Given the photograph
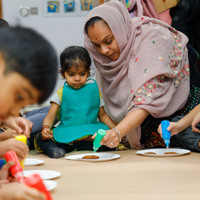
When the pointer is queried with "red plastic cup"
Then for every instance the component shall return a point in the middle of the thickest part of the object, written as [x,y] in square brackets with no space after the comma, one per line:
[35,181]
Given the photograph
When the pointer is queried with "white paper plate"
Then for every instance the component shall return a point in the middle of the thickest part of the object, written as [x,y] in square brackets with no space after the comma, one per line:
[45,174]
[50,185]
[102,157]
[161,152]
[32,161]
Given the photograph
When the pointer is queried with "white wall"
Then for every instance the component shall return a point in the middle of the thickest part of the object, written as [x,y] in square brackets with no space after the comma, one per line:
[61,31]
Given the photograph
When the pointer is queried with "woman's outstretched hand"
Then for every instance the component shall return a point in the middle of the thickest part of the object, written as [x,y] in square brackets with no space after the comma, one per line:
[111,139]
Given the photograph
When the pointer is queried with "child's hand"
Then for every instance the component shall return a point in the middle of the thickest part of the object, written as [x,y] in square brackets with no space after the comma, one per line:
[21,125]
[4,172]
[8,133]
[93,137]
[19,147]
[46,133]
[174,127]
[19,191]
[195,121]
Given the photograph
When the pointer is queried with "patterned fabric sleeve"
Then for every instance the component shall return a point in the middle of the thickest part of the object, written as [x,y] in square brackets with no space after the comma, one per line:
[152,93]
[156,94]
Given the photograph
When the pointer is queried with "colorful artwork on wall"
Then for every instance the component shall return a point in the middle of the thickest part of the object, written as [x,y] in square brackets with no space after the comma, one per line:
[53,6]
[69,5]
[69,8]
[86,4]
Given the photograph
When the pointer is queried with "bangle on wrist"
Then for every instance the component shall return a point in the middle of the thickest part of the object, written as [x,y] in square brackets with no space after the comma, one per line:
[118,132]
[45,126]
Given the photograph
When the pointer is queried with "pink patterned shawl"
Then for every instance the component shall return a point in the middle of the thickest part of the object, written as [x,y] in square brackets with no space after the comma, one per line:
[149,48]
[143,7]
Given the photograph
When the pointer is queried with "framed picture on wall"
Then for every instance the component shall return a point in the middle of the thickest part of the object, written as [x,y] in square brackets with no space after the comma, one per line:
[69,6]
[66,8]
[53,6]
[86,5]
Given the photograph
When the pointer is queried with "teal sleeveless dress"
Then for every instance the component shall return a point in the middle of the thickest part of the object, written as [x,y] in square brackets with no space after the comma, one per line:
[78,113]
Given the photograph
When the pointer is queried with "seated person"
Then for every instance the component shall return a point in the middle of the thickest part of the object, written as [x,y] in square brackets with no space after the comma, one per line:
[28,73]
[186,129]
[77,104]
[15,190]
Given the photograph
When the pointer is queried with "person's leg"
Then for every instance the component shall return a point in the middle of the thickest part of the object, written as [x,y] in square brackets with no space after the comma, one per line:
[187,138]
[49,147]
[67,147]
[105,148]
[36,116]
[88,145]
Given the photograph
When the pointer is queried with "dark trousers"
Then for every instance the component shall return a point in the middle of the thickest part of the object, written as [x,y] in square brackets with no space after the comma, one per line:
[77,146]
[37,116]
[187,138]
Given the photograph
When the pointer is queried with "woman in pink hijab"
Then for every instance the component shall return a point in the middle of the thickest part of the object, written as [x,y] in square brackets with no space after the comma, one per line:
[143,69]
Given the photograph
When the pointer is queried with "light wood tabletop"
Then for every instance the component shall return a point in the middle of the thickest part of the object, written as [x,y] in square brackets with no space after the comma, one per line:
[129,177]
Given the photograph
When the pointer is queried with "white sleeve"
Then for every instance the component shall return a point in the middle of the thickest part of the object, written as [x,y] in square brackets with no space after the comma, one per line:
[55,98]
[101,102]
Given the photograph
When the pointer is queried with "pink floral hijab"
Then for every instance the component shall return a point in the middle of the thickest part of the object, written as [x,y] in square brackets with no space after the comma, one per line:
[152,70]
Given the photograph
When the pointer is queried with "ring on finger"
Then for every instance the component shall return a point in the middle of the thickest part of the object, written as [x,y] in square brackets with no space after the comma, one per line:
[112,143]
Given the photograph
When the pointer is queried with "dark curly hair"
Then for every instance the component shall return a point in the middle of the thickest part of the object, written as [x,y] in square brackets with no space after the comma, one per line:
[28,53]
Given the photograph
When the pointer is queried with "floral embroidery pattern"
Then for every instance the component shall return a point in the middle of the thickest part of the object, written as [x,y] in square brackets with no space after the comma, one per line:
[150,86]
[145,92]
[139,100]
[174,63]
[136,59]
[175,51]
[186,69]
[176,58]
[173,30]
[155,87]
[161,78]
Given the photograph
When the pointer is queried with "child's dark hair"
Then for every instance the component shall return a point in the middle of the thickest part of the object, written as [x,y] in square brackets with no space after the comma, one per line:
[3,23]
[28,53]
[74,56]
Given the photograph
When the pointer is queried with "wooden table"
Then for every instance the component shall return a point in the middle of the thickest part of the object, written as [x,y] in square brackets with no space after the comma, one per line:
[131,177]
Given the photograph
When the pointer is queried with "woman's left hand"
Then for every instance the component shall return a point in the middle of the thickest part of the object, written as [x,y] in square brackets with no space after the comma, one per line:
[21,125]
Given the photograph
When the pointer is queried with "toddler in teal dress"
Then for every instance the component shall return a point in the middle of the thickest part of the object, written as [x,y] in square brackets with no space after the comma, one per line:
[77,105]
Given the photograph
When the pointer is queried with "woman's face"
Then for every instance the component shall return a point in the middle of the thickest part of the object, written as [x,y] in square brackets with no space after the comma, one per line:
[15,92]
[103,40]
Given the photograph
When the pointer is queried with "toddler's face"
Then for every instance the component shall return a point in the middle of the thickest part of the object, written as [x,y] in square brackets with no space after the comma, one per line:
[76,77]
[15,92]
